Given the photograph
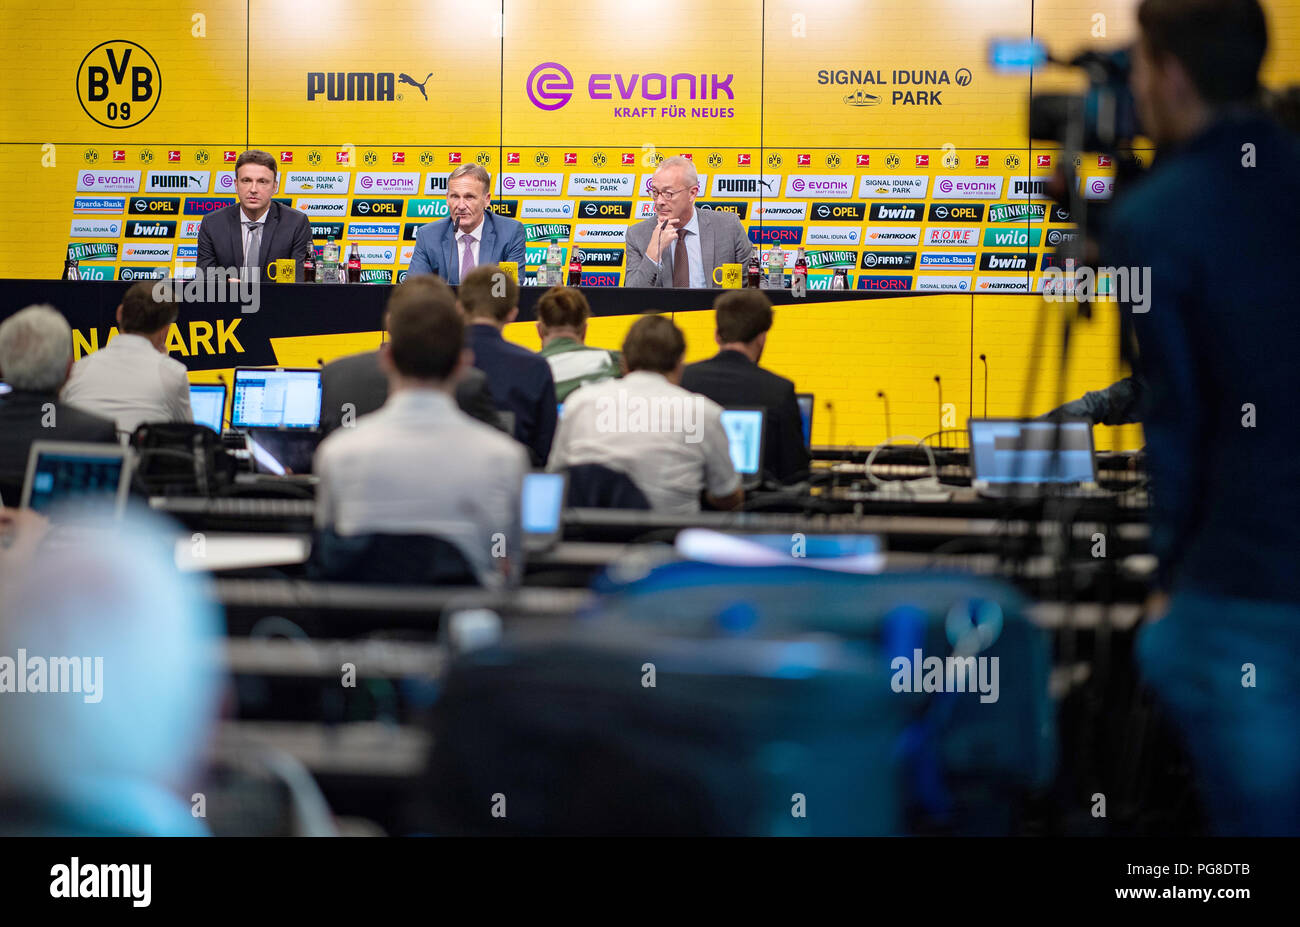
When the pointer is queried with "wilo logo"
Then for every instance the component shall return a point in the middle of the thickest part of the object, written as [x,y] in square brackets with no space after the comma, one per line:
[626,413]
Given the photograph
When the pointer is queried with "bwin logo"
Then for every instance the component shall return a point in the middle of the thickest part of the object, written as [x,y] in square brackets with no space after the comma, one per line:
[141,230]
[897,212]
[1013,263]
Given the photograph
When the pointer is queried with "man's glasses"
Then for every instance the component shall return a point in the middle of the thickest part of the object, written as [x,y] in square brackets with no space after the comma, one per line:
[666,194]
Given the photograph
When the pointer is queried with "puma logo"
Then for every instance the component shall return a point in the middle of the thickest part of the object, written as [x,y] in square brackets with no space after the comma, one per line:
[419,85]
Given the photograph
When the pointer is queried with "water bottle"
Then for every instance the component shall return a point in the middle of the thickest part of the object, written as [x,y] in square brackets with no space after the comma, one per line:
[71,270]
[841,279]
[776,267]
[329,265]
[554,258]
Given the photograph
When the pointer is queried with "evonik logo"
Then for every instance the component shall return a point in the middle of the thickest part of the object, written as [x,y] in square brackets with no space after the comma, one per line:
[550,86]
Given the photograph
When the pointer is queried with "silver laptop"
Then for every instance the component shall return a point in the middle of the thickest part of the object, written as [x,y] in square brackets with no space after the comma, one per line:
[542,509]
[1027,457]
[68,480]
[746,429]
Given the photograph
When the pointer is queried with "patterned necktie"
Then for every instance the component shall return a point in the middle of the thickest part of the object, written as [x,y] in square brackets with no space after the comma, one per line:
[254,243]
[681,263]
[467,262]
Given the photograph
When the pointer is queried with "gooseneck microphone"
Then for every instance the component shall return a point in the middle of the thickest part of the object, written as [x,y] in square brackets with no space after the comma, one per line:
[986,385]
[939,383]
[889,426]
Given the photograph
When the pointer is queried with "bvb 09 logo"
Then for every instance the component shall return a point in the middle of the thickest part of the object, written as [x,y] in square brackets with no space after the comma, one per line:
[118,84]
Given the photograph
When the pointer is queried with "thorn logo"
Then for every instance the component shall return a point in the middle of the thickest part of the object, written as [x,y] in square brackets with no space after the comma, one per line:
[119,84]
[453,157]
[1044,161]
[119,154]
[570,157]
[549,86]
[399,157]
[803,159]
[742,159]
[286,157]
[981,160]
[228,156]
[512,157]
[864,160]
[628,158]
[173,156]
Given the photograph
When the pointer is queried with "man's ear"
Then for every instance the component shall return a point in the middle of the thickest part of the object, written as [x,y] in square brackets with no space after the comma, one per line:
[118,316]
[541,330]
[514,314]
[582,333]
[386,358]
[717,338]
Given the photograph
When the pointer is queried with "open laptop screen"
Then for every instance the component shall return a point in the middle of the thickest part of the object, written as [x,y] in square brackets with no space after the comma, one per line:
[208,402]
[1015,452]
[805,401]
[74,480]
[744,429]
[276,398]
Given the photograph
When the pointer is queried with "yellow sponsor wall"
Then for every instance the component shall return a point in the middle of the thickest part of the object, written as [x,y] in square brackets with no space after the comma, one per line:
[806,118]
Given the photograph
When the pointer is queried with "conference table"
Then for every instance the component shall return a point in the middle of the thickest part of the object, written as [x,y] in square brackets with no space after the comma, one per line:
[222,335]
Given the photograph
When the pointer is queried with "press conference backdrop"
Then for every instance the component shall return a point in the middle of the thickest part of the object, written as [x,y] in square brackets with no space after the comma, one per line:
[872,134]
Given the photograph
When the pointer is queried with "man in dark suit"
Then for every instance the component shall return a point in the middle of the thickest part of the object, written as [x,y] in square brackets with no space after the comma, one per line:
[471,235]
[521,381]
[733,378]
[680,245]
[358,379]
[35,358]
[255,231]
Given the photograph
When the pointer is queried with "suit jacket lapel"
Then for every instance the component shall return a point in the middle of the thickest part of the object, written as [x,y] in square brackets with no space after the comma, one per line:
[488,239]
[450,266]
[237,237]
[268,233]
[706,247]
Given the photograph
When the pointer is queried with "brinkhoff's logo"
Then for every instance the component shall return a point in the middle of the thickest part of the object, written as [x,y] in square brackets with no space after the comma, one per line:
[361,86]
[119,84]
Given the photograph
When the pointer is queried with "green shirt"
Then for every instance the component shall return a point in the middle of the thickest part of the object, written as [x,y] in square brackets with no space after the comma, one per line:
[573,364]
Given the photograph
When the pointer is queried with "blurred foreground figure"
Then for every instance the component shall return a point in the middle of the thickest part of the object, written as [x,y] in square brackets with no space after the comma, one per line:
[1217,352]
[108,688]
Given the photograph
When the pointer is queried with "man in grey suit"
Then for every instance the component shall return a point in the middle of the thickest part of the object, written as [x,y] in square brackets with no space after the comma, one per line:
[681,246]
[471,234]
[257,230]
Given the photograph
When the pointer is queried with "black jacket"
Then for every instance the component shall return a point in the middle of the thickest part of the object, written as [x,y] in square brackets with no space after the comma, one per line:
[731,379]
[357,379]
[221,243]
[24,418]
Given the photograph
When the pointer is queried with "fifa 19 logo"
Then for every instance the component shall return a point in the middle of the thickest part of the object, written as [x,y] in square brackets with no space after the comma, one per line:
[118,84]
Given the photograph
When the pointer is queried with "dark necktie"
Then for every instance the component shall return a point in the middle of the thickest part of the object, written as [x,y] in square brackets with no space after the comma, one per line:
[681,263]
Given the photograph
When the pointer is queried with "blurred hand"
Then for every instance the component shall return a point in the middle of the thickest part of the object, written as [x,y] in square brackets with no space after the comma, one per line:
[662,237]
[21,531]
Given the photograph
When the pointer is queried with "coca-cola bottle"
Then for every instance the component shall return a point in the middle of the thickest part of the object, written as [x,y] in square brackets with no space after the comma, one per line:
[575,269]
[309,266]
[755,270]
[354,264]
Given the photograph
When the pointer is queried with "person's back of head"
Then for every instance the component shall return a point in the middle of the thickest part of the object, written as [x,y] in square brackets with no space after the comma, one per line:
[654,344]
[489,294]
[426,334]
[563,311]
[35,349]
[1219,43]
[742,316]
[143,313]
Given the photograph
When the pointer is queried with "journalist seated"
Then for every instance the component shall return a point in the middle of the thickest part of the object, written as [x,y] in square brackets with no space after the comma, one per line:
[419,477]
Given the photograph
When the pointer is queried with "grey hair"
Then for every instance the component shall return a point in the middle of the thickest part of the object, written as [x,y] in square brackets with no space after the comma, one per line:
[35,347]
[687,166]
[477,171]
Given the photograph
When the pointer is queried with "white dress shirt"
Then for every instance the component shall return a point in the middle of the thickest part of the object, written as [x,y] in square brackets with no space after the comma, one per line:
[471,239]
[418,465]
[667,440]
[244,232]
[131,382]
[694,255]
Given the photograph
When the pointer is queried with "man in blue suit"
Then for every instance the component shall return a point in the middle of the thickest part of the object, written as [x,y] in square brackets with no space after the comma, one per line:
[471,235]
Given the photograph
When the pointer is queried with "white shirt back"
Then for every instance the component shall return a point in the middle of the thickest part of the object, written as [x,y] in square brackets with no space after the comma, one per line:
[418,465]
[668,440]
[130,382]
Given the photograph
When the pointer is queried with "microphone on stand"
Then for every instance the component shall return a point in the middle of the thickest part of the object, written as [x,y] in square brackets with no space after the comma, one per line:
[938,382]
[986,385]
[889,428]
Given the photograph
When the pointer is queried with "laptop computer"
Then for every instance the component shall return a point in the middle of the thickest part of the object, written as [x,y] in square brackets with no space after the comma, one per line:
[542,509]
[1026,457]
[68,480]
[280,397]
[806,407]
[746,429]
[208,402]
[282,451]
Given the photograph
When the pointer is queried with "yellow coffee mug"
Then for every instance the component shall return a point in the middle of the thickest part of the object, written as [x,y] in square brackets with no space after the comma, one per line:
[284,270]
[512,270]
[730,276]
